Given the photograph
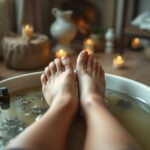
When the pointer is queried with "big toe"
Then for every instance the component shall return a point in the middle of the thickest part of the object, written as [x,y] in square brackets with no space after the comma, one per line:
[82,60]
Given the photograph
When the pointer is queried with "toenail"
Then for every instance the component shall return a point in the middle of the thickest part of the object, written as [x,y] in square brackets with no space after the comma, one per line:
[85,52]
[63,57]
[51,64]
[56,60]
[66,59]
[46,68]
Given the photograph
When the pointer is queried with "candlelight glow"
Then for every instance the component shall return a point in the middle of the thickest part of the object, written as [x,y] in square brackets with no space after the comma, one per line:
[136,43]
[118,62]
[27,31]
[88,42]
[89,46]
[61,53]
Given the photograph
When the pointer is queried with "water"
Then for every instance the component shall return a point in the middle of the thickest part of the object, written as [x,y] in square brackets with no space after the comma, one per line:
[133,114]
[28,106]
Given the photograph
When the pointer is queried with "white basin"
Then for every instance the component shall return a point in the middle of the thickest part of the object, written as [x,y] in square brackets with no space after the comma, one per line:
[117,83]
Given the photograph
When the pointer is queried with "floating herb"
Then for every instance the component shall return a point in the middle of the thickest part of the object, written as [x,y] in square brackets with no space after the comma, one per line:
[123,103]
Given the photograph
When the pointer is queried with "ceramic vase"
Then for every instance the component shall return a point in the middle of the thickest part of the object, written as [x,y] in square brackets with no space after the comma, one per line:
[63,30]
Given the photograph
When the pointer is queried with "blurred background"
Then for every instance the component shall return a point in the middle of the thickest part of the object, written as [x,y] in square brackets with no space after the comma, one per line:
[116,27]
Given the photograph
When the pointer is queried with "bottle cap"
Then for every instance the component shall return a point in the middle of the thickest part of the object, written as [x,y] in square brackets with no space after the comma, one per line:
[3,90]
[4,101]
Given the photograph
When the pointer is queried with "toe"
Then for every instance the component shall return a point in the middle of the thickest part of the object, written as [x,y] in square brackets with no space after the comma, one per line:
[58,64]
[52,67]
[82,60]
[47,72]
[66,63]
[100,71]
[103,83]
[95,68]
[103,78]
[90,62]
[43,80]
[101,75]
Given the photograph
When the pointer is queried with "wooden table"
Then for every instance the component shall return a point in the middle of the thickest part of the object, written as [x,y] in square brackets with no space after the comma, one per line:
[137,67]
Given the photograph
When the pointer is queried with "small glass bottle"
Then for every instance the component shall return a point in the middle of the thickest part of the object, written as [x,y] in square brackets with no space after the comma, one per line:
[109,44]
[4,107]
[4,98]
[4,103]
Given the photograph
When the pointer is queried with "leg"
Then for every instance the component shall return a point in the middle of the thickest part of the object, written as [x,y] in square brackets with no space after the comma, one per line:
[59,90]
[104,132]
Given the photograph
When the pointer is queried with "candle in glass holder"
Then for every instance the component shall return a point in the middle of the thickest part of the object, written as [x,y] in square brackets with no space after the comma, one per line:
[60,53]
[27,31]
[89,45]
[118,62]
[136,43]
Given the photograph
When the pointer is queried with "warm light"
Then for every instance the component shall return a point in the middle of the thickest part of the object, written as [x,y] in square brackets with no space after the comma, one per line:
[136,43]
[89,45]
[118,62]
[89,42]
[27,31]
[61,53]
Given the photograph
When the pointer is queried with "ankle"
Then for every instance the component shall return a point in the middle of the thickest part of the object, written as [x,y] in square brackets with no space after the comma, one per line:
[93,101]
[67,103]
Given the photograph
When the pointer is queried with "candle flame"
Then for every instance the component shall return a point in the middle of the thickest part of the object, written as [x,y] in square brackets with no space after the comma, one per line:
[27,30]
[137,40]
[89,42]
[27,26]
[61,53]
[136,43]
[118,60]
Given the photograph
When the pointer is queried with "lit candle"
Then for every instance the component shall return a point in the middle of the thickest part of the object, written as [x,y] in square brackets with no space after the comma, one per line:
[89,46]
[60,53]
[136,43]
[118,62]
[27,31]
[89,42]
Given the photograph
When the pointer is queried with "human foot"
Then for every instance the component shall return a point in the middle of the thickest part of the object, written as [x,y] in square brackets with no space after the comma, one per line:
[59,83]
[90,78]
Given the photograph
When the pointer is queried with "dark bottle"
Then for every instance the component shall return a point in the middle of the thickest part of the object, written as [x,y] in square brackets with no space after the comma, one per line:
[4,98]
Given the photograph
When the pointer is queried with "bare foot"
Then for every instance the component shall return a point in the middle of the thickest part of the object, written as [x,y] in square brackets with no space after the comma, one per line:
[59,83]
[91,79]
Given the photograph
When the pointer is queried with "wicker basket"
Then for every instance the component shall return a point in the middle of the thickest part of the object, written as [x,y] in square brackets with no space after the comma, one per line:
[25,53]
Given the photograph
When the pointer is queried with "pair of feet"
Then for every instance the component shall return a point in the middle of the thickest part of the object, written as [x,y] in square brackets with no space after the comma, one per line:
[59,81]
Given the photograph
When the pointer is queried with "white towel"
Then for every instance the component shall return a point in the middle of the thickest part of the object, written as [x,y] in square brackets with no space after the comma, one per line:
[142,21]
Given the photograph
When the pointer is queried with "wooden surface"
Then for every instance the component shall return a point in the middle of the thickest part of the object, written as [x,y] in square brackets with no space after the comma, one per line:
[137,67]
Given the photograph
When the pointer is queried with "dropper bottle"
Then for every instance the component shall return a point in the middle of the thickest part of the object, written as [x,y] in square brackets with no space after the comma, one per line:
[4,103]
[4,98]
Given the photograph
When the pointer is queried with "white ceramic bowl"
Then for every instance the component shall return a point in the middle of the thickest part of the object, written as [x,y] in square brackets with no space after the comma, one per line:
[117,83]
